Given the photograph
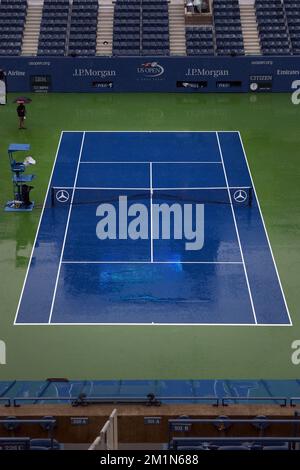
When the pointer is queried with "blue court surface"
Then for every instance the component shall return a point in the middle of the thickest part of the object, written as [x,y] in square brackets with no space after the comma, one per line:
[76,278]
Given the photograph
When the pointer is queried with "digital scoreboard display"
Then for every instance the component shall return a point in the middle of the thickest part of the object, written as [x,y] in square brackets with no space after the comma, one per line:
[40,83]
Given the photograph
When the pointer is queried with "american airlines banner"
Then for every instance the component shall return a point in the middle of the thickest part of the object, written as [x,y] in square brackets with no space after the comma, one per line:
[152,74]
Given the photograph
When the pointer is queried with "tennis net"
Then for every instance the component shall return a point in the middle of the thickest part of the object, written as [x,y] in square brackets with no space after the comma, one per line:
[240,196]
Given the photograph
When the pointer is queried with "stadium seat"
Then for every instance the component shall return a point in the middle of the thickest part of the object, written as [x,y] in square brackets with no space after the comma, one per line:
[53,30]
[271,18]
[148,21]
[199,40]
[228,29]
[36,444]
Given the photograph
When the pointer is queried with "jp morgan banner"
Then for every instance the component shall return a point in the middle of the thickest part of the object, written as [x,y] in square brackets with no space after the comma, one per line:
[151,74]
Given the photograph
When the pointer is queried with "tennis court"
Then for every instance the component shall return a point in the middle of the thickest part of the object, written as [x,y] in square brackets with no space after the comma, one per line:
[75,278]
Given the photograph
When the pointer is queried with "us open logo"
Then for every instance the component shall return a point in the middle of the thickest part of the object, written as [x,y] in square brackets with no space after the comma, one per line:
[151,70]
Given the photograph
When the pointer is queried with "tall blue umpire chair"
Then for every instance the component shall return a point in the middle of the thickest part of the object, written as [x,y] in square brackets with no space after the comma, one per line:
[21,188]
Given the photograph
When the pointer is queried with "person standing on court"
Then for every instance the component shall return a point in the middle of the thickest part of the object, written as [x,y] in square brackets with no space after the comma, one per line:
[21,111]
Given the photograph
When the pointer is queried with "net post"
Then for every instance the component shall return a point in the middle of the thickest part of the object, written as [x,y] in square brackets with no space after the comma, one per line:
[250,197]
[52,195]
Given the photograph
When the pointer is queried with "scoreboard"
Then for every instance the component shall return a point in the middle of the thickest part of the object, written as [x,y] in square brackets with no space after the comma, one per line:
[40,83]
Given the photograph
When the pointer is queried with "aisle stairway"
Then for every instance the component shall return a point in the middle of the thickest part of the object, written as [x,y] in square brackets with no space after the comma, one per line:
[32,29]
[177,27]
[249,28]
[105,28]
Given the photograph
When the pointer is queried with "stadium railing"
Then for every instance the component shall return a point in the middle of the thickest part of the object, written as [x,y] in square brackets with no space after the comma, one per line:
[149,400]
[108,436]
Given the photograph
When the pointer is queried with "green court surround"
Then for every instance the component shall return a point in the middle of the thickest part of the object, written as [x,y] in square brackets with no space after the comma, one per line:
[269,125]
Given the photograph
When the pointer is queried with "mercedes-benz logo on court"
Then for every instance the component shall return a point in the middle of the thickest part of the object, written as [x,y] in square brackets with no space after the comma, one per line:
[240,196]
[62,196]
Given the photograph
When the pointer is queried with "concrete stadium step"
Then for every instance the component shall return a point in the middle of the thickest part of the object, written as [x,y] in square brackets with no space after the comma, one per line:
[249,29]
[177,28]
[32,29]
[105,28]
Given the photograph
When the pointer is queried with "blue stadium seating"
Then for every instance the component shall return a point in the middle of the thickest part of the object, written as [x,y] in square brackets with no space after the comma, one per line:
[155,13]
[199,40]
[141,28]
[12,21]
[44,444]
[228,29]
[233,448]
[272,27]
[127,28]
[292,11]
[53,33]
[226,444]
[83,29]
[29,443]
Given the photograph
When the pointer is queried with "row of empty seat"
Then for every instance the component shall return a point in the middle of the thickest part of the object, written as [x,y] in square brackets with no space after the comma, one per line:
[25,443]
[199,40]
[141,27]
[53,32]
[69,30]
[272,27]
[12,21]
[292,11]
[228,446]
[83,30]
[228,28]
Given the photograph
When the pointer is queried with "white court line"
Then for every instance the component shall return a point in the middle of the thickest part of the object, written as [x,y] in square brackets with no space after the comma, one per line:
[170,324]
[147,132]
[66,229]
[38,228]
[147,162]
[237,230]
[266,233]
[150,262]
[260,325]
